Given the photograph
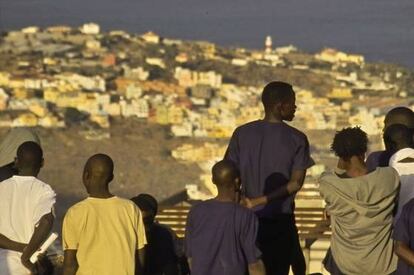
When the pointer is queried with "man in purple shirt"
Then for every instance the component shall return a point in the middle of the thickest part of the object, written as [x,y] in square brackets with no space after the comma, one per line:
[404,240]
[220,235]
[398,115]
[272,158]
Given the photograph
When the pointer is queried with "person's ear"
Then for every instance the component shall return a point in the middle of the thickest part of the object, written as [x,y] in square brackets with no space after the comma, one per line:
[111,177]
[16,162]
[278,106]
[85,176]
[341,164]
[237,183]
[42,163]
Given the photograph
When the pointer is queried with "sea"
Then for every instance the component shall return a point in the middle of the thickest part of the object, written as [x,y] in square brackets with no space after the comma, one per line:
[381,30]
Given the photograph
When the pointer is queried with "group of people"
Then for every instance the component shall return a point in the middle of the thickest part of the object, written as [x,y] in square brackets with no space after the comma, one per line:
[248,228]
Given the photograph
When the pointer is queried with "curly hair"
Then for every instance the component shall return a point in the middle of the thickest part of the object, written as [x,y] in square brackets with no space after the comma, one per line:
[348,142]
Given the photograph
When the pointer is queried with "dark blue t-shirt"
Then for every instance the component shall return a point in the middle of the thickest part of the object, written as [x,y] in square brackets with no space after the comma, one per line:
[160,252]
[378,159]
[404,232]
[220,238]
[266,153]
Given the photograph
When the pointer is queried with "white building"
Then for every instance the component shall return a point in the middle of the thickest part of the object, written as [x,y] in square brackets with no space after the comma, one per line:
[137,107]
[183,130]
[95,83]
[90,28]
[268,44]
[155,62]
[151,37]
[30,30]
[189,78]
[239,62]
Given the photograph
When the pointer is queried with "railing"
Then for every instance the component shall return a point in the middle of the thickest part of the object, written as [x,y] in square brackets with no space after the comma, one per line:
[311,223]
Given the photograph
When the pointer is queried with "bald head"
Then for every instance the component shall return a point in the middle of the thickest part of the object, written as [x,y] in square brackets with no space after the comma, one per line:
[400,115]
[225,174]
[98,171]
[29,156]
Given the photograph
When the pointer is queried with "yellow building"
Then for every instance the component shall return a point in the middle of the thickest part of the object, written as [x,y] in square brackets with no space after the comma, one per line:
[59,29]
[50,121]
[340,93]
[209,49]
[20,93]
[161,114]
[4,79]
[335,56]
[38,109]
[3,100]
[181,58]
[175,115]
[151,37]
[192,153]
[100,119]
[208,122]
[25,120]
[16,83]
[50,95]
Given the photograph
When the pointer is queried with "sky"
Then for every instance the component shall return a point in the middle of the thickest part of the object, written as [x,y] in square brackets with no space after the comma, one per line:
[382,30]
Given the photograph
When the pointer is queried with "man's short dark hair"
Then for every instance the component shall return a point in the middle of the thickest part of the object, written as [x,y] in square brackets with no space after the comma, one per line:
[276,92]
[146,202]
[349,142]
[30,154]
[400,115]
[398,134]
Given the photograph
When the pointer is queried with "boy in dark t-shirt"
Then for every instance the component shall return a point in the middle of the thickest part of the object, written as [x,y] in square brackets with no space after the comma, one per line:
[220,233]
[162,255]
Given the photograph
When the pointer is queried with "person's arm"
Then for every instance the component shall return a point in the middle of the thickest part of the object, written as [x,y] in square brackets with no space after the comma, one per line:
[257,268]
[294,185]
[233,151]
[40,234]
[189,263]
[404,252]
[140,261]
[6,243]
[70,263]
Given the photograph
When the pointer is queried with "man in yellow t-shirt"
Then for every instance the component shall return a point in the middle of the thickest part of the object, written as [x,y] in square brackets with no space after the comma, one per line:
[102,234]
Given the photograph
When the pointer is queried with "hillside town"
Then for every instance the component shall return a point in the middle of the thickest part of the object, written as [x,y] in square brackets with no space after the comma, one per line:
[59,76]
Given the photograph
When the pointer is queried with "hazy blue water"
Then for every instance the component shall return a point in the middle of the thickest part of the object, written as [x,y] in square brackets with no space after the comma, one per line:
[382,30]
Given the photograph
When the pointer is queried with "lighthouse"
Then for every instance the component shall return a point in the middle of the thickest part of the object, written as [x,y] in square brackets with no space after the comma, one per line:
[268,44]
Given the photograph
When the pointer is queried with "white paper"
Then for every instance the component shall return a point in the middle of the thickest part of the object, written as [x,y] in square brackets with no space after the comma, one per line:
[44,247]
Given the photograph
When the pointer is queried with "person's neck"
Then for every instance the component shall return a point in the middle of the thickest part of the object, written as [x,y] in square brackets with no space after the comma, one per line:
[356,168]
[100,194]
[273,118]
[402,146]
[28,172]
[226,196]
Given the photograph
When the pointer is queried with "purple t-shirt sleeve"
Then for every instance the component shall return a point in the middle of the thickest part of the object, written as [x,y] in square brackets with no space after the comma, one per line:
[302,158]
[401,229]
[232,152]
[249,236]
